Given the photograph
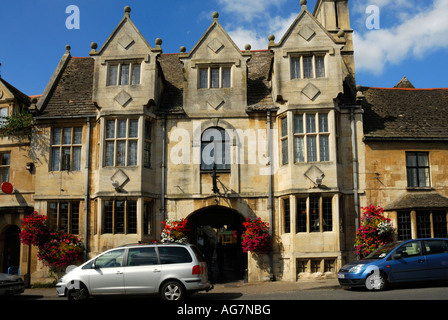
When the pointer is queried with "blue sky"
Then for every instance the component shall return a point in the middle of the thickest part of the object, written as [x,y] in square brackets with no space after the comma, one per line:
[412,39]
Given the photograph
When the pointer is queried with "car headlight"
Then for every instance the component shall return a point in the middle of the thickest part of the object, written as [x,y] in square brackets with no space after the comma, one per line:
[356,269]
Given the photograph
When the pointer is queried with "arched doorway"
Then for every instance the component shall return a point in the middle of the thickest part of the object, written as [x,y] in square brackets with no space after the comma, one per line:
[217,231]
[11,249]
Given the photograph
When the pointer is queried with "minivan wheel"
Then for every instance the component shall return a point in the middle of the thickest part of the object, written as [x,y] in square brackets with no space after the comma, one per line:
[79,294]
[172,290]
[376,282]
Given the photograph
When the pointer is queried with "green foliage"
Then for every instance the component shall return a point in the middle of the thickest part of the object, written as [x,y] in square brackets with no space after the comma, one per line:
[17,123]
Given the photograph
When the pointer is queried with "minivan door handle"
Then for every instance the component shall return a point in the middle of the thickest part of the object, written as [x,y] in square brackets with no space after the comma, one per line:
[156,270]
[119,272]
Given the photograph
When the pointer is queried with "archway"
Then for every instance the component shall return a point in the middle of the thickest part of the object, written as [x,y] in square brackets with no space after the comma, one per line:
[217,231]
[11,249]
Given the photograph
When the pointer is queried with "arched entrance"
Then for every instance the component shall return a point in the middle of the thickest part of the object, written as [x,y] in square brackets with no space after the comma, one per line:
[217,231]
[11,249]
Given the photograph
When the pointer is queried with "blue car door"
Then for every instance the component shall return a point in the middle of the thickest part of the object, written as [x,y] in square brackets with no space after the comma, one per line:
[437,258]
[410,265]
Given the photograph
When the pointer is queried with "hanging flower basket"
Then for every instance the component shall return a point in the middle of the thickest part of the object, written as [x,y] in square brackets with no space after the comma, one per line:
[55,249]
[175,231]
[256,237]
[375,231]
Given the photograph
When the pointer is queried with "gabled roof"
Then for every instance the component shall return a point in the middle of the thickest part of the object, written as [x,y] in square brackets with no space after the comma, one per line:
[71,93]
[259,89]
[405,114]
[304,12]
[404,83]
[126,19]
[173,74]
[258,80]
[16,93]
[215,24]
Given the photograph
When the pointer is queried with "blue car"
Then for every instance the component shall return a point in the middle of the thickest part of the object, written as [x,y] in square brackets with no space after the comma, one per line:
[398,262]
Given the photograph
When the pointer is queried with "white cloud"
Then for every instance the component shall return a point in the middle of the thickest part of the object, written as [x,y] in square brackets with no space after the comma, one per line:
[258,37]
[255,21]
[424,32]
[250,9]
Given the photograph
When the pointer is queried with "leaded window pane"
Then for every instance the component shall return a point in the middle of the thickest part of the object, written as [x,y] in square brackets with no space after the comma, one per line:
[226,77]
[113,75]
[132,153]
[312,148]
[286,216]
[298,123]
[203,78]
[135,73]
[214,78]
[76,158]
[295,68]
[308,67]
[323,122]
[124,79]
[110,129]
[324,148]
[310,123]
[320,66]
[121,130]
[55,159]
[299,149]
[109,153]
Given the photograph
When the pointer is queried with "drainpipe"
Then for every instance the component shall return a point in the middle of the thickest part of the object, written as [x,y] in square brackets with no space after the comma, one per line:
[162,194]
[86,191]
[355,166]
[270,198]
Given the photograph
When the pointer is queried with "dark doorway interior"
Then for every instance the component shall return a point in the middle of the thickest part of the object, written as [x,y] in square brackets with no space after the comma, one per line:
[11,253]
[217,232]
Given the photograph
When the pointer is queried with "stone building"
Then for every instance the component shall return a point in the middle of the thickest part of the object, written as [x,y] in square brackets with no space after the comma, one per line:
[130,136]
[405,148]
[16,179]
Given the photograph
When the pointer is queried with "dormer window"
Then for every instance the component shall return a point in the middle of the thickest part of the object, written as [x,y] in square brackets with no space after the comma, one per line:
[308,67]
[214,77]
[124,73]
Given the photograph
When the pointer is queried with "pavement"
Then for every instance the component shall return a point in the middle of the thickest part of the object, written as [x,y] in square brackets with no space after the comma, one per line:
[275,286]
[231,287]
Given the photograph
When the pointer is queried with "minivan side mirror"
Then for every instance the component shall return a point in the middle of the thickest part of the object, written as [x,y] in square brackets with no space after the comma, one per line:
[95,266]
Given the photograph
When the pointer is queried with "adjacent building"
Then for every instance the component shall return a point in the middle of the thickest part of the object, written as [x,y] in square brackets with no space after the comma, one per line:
[405,147]
[16,179]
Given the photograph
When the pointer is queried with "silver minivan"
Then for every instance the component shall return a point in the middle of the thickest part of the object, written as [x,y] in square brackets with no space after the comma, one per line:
[172,270]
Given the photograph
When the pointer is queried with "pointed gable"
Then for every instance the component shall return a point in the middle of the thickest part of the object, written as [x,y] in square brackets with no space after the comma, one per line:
[215,75]
[8,91]
[308,67]
[126,69]
[126,39]
[306,33]
[215,45]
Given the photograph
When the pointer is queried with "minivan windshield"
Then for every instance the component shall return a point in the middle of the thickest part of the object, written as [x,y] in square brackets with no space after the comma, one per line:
[383,251]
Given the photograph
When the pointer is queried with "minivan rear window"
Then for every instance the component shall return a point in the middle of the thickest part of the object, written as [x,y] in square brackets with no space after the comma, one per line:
[145,256]
[170,255]
[198,254]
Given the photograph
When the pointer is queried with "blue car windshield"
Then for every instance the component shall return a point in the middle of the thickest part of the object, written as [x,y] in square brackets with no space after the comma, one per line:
[383,251]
